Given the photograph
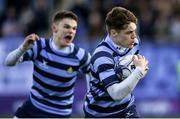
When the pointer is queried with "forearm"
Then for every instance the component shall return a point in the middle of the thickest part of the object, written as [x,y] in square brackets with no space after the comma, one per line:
[120,90]
[14,57]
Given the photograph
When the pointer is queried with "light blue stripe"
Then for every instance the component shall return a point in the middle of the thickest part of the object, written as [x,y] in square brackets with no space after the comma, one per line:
[35,50]
[55,71]
[53,82]
[80,54]
[62,102]
[107,73]
[102,60]
[103,48]
[98,114]
[87,62]
[58,59]
[55,93]
[51,109]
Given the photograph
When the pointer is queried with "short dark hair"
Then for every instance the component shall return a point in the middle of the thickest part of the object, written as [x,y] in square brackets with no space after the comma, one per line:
[61,14]
[118,18]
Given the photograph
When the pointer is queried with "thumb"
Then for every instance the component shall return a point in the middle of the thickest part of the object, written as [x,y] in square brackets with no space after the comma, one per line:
[135,57]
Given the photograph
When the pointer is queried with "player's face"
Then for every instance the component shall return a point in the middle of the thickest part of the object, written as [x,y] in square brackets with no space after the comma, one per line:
[126,38]
[64,32]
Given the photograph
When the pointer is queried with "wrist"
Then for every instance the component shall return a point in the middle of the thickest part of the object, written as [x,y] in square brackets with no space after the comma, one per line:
[22,48]
[139,72]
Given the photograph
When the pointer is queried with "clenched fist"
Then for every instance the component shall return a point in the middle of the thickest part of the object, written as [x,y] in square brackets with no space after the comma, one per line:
[29,41]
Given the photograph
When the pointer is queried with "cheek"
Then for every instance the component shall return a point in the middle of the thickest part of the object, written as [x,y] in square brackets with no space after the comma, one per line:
[126,38]
[60,32]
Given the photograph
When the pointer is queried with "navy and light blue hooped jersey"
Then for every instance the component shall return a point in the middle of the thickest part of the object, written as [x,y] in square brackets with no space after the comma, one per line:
[54,76]
[98,102]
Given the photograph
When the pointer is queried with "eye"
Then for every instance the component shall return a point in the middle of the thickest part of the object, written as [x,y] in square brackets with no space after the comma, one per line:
[66,26]
[74,28]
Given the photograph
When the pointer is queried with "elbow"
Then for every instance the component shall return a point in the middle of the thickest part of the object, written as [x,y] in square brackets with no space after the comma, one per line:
[9,63]
[117,97]
[120,93]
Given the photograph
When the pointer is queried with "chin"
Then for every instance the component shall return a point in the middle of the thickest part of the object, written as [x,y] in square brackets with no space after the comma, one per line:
[66,45]
[131,46]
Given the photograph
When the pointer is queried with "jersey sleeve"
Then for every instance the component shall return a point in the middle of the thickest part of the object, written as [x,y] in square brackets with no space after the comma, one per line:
[103,65]
[32,53]
[85,58]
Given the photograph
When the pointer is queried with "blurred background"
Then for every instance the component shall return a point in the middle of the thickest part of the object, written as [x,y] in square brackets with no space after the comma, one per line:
[158,95]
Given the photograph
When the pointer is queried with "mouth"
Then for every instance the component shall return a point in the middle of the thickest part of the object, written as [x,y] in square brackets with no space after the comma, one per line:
[68,37]
[132,43]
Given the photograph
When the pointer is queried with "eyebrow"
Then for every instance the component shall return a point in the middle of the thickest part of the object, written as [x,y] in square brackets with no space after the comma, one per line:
[70,25]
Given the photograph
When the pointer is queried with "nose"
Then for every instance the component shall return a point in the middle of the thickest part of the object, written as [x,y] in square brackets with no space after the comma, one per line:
[133,36]
[71,31]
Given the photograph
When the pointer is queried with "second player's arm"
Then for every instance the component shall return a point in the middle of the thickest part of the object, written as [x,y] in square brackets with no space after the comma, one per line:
[15,56]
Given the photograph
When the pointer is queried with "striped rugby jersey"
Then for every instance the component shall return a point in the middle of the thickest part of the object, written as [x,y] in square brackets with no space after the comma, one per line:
[98,102]
[54,76]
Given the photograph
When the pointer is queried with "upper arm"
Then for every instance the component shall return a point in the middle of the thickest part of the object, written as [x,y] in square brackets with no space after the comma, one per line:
[103,65]
[85,59]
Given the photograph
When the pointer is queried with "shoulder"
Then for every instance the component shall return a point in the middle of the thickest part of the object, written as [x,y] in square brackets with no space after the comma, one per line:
[80,52]
[102,54]
[43,41]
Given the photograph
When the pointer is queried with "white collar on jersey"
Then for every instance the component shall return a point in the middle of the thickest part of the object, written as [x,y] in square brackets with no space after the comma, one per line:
[65,50]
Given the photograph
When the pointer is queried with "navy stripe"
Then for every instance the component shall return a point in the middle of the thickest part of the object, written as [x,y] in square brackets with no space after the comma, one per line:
[52,76]
[95,87]
[137,52]
[87,115]
[53,88]
[98,86]
[110,81]
[39,47]
[115,53]
[107,109]
[58,64]
[95,75]
[104,67]
[32,54]
[100,54]
[85,70]
[76,49]
[45,102]
[103,98]
[84,59]
[106,45]
[26,56]
[71,55]
[95,95]
[53,97]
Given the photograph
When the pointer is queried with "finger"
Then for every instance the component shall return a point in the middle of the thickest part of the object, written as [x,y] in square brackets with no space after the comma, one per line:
[33,37]
[37,37]
[143,57]
[139,56]
[135,57]
[29,36]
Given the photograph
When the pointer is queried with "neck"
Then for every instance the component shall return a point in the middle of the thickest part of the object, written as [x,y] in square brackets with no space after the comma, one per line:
[115,44]
[57,43]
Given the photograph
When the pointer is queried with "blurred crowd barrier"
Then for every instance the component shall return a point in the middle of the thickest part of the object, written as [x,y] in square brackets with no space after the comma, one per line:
[158,95]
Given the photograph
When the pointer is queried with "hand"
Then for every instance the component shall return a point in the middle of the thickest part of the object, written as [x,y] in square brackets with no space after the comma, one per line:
[141,62]
[29,41]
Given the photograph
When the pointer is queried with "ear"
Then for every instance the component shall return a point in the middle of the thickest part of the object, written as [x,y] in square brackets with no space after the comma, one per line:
[113,32]
[54,28]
